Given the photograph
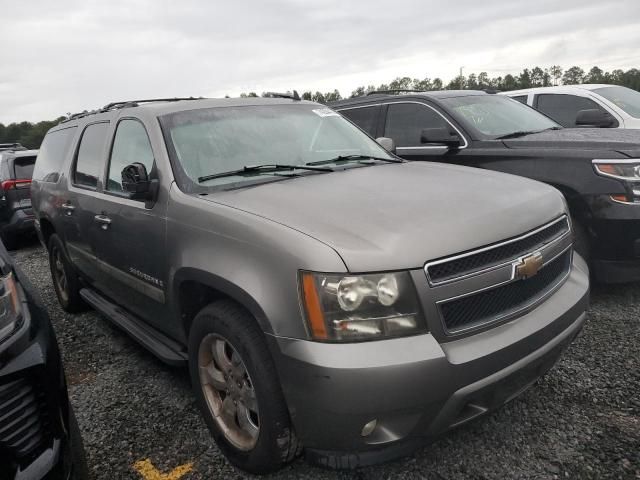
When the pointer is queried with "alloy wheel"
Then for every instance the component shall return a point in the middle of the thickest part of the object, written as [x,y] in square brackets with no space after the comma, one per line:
[228,391]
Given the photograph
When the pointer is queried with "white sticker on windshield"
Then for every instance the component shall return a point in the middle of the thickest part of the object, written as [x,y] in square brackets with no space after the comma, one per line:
[325,112]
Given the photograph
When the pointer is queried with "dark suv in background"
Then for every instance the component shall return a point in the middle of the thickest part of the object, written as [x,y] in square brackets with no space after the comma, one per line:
[16,215]
[597,170]
[39,435]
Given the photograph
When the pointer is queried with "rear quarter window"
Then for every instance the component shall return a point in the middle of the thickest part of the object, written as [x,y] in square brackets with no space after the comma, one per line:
[53,151]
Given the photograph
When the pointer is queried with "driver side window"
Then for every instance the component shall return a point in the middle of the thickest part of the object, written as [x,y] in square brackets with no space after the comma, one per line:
[131,144]
[405,122]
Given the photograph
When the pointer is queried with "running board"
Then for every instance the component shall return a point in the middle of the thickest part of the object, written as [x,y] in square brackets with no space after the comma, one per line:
[163,347]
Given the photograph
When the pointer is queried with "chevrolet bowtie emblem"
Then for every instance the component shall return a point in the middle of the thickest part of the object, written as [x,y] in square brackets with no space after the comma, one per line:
[529,265]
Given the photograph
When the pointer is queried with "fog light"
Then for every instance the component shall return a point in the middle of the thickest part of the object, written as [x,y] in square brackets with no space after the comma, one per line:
[369,427]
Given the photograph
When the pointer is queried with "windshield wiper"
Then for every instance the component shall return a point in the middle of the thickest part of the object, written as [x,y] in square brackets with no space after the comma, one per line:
[348,158]
[266,167]
[524,133]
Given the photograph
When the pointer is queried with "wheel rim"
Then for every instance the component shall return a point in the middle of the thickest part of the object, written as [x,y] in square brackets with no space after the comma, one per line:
[228,391]
[60,275]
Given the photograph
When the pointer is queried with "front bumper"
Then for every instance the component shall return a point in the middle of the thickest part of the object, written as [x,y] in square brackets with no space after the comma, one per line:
[34,441]
[615,240]
[415,387]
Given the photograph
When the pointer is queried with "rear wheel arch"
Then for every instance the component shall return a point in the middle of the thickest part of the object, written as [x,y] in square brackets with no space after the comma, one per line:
[194,289]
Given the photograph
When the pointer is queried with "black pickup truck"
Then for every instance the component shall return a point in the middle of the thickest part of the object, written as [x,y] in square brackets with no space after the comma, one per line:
[597,170]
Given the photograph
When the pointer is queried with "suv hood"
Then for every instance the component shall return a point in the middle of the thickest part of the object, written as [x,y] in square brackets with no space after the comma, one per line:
[398,216]
[617,139]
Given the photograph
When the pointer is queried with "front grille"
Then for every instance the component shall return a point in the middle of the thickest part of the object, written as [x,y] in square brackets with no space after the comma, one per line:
[490,257]
[24,424]
[492,305]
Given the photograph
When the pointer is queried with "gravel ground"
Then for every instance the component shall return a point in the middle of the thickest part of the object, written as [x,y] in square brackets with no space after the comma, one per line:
[581,421]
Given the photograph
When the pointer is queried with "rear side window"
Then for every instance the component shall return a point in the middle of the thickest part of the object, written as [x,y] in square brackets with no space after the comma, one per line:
[53,151]
[131,144]
[23,167]
[521,98]
[405,122]
[90,158]
[365,117]
[564,108]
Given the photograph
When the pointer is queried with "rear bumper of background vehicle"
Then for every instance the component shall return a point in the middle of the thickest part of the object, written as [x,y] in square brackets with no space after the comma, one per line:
[21,221]
[415,387]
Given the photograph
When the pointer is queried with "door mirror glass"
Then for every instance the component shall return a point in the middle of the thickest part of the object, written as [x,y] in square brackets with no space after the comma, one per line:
[387,143]
[594,118]
[440,135]
[135,181]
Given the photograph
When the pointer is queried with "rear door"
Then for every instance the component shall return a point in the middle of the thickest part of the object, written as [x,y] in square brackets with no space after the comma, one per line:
[131,246]
[80,203]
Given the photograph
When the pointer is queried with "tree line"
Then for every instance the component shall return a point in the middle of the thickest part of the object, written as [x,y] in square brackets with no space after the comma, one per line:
[30,135]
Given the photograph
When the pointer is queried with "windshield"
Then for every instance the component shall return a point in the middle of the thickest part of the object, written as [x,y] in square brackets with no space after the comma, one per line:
[625,98]
[496,116]
[217,140]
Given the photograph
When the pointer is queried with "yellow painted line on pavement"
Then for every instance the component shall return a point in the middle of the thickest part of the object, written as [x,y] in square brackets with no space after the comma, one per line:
[146,469]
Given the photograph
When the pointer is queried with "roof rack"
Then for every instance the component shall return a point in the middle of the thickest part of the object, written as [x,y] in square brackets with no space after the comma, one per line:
[399,90]
[135,103]
[11,146]
[124,104]
[292,96]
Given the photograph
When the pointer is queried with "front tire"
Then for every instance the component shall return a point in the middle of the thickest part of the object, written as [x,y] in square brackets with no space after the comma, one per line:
[65,279]
[238,391]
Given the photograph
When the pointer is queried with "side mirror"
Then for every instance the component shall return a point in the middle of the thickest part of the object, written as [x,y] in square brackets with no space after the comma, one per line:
[442,136]
[595,117]
[135,182]
[387,143]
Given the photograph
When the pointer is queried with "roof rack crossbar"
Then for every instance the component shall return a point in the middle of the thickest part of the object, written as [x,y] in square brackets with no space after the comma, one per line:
[398,90]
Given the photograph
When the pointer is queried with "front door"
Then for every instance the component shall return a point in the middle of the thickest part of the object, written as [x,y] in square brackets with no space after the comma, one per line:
[132,237]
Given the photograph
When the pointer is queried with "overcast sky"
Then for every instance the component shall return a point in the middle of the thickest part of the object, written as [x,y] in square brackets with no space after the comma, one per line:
[66,56]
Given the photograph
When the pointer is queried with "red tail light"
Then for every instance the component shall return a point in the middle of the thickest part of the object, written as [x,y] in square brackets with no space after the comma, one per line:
[9,184]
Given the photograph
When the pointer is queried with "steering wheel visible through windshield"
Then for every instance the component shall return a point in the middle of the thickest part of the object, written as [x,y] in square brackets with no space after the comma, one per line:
[216,140]
[494,116]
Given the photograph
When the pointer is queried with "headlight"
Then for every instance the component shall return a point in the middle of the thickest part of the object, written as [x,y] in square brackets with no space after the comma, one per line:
[345,308]
[628,170]
[10,308]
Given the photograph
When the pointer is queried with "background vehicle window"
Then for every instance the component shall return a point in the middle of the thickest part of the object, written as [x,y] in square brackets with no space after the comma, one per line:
[564,108]
[131,144]
[405,122]
[495,116]
[90,158]
[53,151]
[366,118]
[623,97]
[23,167]
[521,98]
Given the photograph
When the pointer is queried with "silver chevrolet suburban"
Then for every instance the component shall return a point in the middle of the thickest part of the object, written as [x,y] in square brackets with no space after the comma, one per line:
[325,294]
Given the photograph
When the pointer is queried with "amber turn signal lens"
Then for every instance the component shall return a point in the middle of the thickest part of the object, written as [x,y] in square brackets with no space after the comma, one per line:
[619,198]
[313,307]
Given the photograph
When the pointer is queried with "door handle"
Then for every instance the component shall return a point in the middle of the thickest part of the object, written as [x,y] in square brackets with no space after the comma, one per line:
[103,220]
[68,208]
